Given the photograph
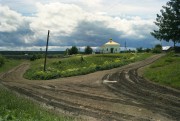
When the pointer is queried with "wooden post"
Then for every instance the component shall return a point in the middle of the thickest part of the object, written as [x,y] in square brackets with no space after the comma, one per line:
[125,46]
[46,50]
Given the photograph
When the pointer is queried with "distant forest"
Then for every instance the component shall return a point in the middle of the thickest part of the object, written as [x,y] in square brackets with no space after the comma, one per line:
[28,52]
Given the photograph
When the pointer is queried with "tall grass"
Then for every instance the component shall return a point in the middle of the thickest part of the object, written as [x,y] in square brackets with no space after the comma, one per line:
[9,63]
[16,108]
[78,65]
[165,71]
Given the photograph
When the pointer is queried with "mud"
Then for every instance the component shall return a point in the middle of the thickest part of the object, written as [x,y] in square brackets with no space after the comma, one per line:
[119,94]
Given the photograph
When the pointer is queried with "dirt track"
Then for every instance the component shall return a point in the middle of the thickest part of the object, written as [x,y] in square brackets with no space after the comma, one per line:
[118,94]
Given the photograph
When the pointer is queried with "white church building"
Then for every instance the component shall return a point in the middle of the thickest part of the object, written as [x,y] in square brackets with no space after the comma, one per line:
[110,47]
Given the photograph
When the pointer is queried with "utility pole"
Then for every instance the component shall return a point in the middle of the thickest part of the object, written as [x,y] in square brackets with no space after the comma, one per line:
[125,45]
[46,50]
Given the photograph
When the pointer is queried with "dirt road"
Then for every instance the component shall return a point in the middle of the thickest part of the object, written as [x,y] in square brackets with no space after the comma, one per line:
[119,94]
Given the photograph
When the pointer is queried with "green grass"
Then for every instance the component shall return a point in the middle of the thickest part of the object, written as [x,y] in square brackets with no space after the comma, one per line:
[9,63]
[165,71]
[73,66]
[17,108]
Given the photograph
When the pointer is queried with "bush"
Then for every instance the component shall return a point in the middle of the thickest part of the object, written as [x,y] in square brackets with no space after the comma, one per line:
[139,50]
[2,60]
[177,49]
[147,50]
[35,57]
[157,49]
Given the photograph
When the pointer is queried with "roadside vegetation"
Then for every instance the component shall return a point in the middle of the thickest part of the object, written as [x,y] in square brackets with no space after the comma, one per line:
[79,65]
[165,71]
[17,108]
[6,64]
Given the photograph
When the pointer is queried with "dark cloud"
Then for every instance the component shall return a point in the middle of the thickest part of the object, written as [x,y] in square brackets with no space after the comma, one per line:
[90,33]
[16,38]
[96,33]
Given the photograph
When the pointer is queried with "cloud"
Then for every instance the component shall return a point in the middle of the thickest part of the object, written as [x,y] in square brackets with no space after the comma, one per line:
[72,23]
[9,20]
[58,17]
[61,19]
[14,28]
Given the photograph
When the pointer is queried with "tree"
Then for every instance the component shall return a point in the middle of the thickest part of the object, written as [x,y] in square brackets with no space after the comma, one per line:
[67,51]
[158,46]
[168,23]
[88,50]
[73,50]
[139,50]
[157,49]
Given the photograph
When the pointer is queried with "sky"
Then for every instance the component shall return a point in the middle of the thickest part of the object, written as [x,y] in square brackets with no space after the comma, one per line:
[24,24]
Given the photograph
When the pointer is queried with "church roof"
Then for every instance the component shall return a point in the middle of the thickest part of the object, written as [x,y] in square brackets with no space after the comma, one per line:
[111,43]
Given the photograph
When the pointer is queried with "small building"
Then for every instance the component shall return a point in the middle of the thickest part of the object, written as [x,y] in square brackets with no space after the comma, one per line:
[165,48]
[110,47]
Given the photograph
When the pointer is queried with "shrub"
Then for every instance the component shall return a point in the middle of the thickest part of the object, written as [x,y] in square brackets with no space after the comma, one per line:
[147,50]
[157,49]
[35,56]
[177,49]
[139,50]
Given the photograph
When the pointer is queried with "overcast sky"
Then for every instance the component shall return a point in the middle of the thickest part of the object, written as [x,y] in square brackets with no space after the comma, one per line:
[24,23]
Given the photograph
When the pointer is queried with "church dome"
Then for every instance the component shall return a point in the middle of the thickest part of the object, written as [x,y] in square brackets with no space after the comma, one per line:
[111,43]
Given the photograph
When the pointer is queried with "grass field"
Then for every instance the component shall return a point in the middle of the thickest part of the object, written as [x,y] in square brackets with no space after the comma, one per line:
[17,108]
[9,63]
[165,71]
[78,65]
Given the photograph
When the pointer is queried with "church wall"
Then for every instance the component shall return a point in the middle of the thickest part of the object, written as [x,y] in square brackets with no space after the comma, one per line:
[107,49]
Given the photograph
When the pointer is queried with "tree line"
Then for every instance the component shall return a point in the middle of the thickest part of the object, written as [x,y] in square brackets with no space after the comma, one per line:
[75,50]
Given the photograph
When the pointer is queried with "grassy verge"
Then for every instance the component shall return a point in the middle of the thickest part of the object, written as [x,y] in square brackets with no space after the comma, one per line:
[165,71]
[9,63]
[16,108]
[78,65]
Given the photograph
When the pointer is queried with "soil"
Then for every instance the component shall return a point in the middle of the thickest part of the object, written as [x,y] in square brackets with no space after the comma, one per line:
[119,94]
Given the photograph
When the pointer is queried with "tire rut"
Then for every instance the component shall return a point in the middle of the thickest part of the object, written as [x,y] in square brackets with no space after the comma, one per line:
[157,98]
[113,95]
[101,114]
